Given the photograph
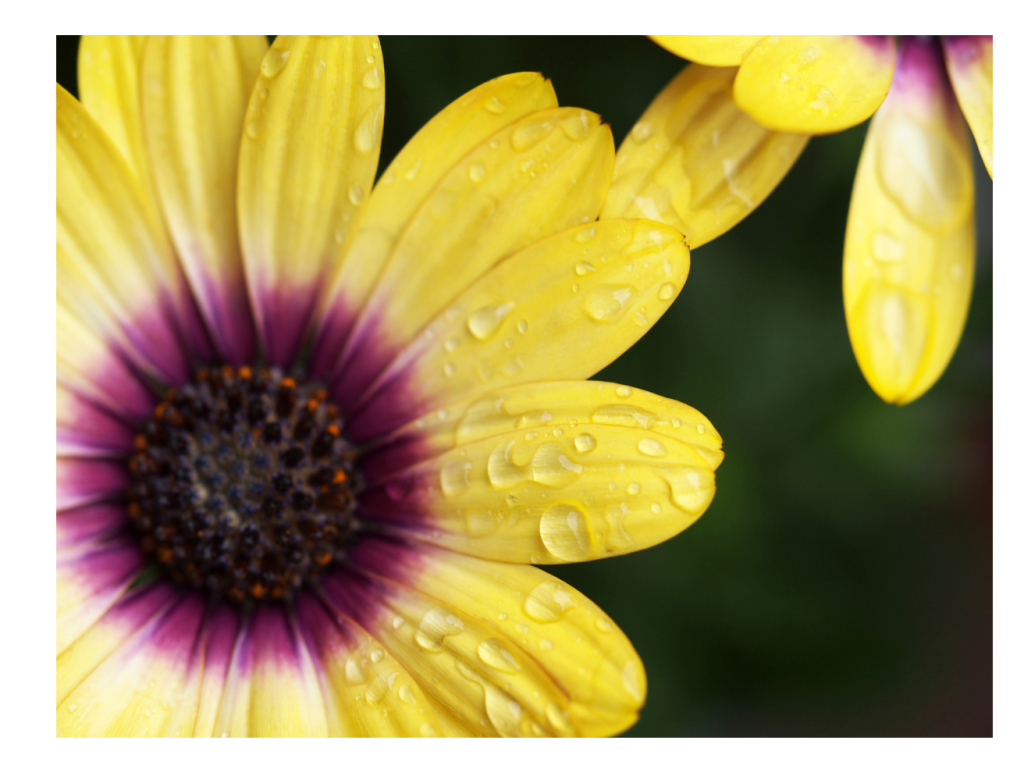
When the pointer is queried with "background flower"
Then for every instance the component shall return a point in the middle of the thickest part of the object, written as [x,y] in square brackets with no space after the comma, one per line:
[841,581]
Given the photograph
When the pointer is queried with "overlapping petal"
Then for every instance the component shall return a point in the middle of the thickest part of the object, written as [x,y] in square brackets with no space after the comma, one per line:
[969,64]
[696,162]
[308,157]
[714,50]
[815,84]
[84,429]
[542,174]
[409,180]
[909,257]
[88,480]
[501,649]
[563,308]
[194,92]
[112,254]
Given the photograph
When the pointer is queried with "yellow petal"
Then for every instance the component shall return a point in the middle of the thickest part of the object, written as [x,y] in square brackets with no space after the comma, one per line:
[147,687]
[696,162]
[969,62]
[504,649]
[109,79]
[546,172]
[561,309]
[366,691]
[558,476]
[908,265]
[112,254]
[308,157]
[419,167]
[815,83]
[717,50]
[194,94]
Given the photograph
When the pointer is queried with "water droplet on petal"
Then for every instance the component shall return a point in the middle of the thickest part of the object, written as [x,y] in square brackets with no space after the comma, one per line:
[521,327]
[252,128]
[273,62]
[407,695]
[585,235]
[413,171]
[495,105]
[398,622]
[559,720]
[379,687]
[885,247]
[367,135]
[584,268]
[624,391]
[495,653]
[666,292]
[603,625]
[371,79]
[565,532]
[631,679]
[530,133]
[477,172]
[356,195]
[483,323]
[377,655]
[455,477]
[642,131]
[354,673]
[577,125]
[651,447]
[437,624]
[633,488]
[608,303]
[700,428]
[585,443]
[548,602]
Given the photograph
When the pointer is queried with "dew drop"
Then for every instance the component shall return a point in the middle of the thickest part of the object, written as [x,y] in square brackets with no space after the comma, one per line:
[477,172]
[252,128]
[651,447]
[624,391]
[379,687]
[559,720]
[885,247]
[608,303]
[503,616]
[642,131]
[584,268]
[666,292]
[495,653]
[575,288]
[585,235]
[427,730]
[354,673]
[700,428]
[633,488]
[495,105]
[577,126]
[451,343]
[585,443]
[368,132]
[356,195]
[437,624]
[398,622]
[483,323]
[413,171]
[449,369]
[565,533]
[273,62]
[530,133]
[407,695]
[371,79]
[377,655]
[455,477]
[656,508]
[548,602]
[603,625]
[521,327]
[522,627]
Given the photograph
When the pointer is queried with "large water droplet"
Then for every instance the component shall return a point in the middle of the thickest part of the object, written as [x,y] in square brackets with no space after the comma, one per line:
[530,133]
[379,687]
[608,303]
[273,62]
[666,292]
[483,323]
[371,78]
[407,695]
[690,488]
[651,447]
[455,477]
[584,268]
[551,466]
[501,470]
[577,125]
[368,132]
[548,602]
[585,443]
[354,673]
[495,653]
[565,532]
[435,625]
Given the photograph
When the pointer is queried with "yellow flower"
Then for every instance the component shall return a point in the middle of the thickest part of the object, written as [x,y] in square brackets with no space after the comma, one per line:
[312,433]
[909,256]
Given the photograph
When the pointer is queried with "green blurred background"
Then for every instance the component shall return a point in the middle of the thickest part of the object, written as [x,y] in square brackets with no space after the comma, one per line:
[841,582]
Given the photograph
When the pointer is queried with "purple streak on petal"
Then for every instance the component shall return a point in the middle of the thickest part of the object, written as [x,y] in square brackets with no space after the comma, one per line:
[390,557]
[327,635]
[85,429]
[224,303]
[222,629]
[881,45]
[365,357]
[271,637]
[89,524]
[83,481]
[392,404]
[964,49]
[394,456]
[355,596]
[106,567]
[153,335]
[283,315]
[920,73]
[401,501]
[111,383]
[332,332]
[138,607]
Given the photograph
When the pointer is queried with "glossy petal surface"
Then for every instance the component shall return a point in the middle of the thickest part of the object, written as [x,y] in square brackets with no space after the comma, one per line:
[194,94]
[561,309]
[815,83]
[969,64]
[908,265]
[715,50]
[307,161]
[696,162]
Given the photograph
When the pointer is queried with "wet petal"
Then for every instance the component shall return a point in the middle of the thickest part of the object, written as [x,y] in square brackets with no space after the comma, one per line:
[194,94]
[815,83]
[309,153]
[419,167]
[90,579]
[113,256]
[544,173]
[367,691]
[561,309]
[271,688]
[717,50]
[87,480]
[95,369]
[696,162]
[131,613]
[504,649]
[86,430]
[540,475]
[969,63]
[908,264]
[147,687]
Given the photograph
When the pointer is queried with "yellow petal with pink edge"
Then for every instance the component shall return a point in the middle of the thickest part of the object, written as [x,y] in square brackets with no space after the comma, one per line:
[307,162]
[716,50]
[195,90]
[424,161]
[969,64]
[908,263]
[696,162]
[561,309]
[546,172]
[367,692]
[112,253]
[815,84]
[605,477]
[147,687]
[506,649]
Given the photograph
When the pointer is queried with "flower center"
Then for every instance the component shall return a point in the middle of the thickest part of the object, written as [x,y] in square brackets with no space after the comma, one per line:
[242,483]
